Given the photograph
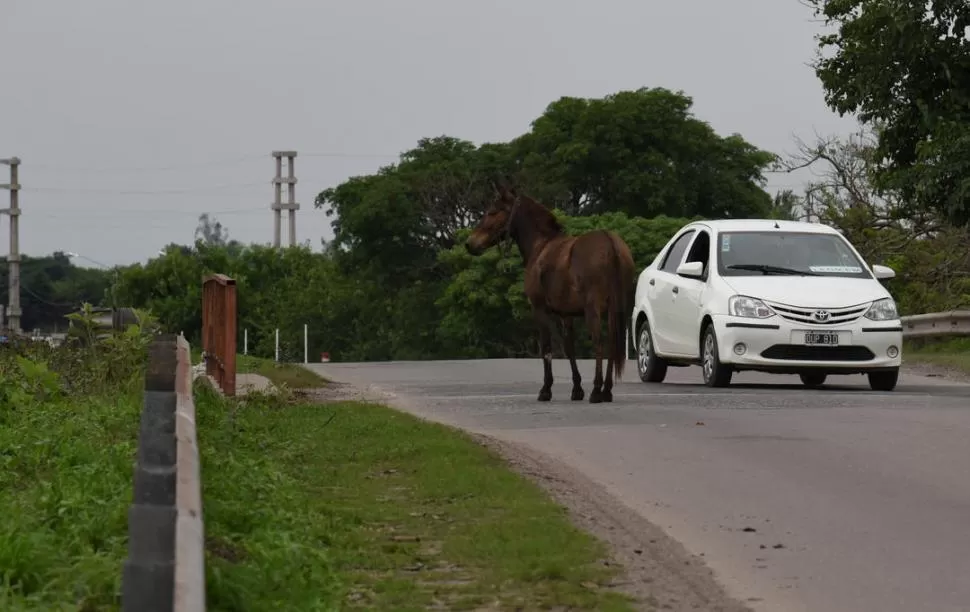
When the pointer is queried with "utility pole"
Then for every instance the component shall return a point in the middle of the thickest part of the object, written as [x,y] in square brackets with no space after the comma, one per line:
[13,259]
[278,205]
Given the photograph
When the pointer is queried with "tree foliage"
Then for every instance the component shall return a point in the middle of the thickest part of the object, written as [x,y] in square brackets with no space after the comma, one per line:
[643,153]
[929,255]
[397,283]
[904,67]
[52,286]
[470,307]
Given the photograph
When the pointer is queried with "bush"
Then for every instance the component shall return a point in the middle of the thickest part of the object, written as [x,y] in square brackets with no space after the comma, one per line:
[68,432]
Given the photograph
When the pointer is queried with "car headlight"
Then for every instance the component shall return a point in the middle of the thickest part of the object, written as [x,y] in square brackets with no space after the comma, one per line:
[752,308]
[882,310]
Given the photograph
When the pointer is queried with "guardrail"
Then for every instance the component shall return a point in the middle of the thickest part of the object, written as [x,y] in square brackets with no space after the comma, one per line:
[951,323]
[165,570]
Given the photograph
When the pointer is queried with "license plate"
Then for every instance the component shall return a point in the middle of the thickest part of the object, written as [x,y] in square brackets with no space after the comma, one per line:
[821,338]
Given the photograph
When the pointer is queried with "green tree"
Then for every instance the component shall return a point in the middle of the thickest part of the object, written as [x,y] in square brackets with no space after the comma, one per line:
[390,224]
[904,67]
[929,255]
[642,153]
[51,287]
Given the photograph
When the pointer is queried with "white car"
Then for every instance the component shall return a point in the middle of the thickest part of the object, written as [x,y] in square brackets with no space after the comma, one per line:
[772,296]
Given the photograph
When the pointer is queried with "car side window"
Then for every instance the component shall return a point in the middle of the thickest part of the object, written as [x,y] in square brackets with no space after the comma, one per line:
[700,251]
[676,253]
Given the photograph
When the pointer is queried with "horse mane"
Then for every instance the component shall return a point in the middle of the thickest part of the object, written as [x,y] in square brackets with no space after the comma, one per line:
[540,216]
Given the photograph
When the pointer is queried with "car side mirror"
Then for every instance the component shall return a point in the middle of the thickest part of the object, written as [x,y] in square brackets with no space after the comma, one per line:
[883,272]
[691,269]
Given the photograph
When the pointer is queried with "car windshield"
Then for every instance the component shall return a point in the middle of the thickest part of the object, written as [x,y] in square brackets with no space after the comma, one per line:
[776,252]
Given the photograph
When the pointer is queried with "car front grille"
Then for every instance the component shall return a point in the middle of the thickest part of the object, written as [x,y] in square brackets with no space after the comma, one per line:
[802,314]
[799,352]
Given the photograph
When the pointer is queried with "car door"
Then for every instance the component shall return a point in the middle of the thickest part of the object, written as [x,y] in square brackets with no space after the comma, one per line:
[688,294]
[662,293]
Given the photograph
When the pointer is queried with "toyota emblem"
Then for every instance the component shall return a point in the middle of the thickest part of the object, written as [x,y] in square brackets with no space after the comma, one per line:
[821,315]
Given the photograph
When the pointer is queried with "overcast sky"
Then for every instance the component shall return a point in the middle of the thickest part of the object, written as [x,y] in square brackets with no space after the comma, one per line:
[133,117]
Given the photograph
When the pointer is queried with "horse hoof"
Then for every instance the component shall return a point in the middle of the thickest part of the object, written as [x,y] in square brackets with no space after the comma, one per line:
[595,397]
[578,394]
[607,396]
[545,395]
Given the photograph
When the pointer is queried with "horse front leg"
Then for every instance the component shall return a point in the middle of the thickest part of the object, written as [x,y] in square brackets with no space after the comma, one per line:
[545,349]
[593,322]
[569,344]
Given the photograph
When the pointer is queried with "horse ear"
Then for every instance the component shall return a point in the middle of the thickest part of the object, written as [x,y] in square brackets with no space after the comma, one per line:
[501,188]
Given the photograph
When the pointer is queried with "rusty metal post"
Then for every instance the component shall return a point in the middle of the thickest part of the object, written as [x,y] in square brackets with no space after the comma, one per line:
[219,330]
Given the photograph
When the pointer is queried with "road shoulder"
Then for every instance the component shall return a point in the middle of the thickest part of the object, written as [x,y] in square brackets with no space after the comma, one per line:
[655,569]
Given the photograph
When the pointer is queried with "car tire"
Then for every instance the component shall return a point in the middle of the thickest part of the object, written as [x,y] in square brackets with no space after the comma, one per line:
[715,373]
[812,379]
[652,369]
[883,381]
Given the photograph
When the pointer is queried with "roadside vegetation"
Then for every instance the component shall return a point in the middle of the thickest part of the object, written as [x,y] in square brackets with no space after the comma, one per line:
[951,354]
[353,505]
[68,432]
[293,375]
[307,506]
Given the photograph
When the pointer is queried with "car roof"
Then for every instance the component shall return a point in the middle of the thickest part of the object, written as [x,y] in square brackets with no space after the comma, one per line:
[747,225]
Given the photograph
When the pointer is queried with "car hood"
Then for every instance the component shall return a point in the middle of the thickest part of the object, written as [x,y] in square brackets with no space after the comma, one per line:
[808,291]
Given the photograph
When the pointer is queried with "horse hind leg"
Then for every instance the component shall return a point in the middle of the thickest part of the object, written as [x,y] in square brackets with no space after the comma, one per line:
[594,323]
[545,349]
[608,382]
[569,342]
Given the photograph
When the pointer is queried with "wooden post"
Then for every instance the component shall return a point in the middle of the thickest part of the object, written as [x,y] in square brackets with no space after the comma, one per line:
[219,330]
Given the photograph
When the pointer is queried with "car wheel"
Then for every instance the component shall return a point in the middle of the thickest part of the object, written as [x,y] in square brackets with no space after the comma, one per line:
[652,369]
[883,381]
[812,379]
[715,373]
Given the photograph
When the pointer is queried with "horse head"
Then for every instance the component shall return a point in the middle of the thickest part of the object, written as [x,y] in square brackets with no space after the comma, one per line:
[495,224]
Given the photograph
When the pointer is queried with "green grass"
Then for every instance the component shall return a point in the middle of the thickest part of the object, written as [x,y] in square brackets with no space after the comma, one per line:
[65,486]
[953,353]
[352,505]
[292,375]
[306,507]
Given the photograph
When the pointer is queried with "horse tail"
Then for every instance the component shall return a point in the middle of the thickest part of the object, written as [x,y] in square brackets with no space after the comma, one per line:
[620,303]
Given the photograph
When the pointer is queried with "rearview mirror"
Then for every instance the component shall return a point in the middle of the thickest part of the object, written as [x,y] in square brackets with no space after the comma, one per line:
[883,272]
[691,268]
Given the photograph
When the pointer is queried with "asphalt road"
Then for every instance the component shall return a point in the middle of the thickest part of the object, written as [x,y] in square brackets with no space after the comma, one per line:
[858,500]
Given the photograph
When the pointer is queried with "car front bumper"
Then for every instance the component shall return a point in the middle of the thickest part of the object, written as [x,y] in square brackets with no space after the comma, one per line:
[778,345]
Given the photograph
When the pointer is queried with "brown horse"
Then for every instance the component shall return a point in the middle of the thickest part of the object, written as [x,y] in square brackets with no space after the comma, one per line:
[565,277]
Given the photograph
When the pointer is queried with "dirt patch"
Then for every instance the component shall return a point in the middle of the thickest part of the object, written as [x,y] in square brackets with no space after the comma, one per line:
[936,370]
[233,553]
[342,392]
[658,570]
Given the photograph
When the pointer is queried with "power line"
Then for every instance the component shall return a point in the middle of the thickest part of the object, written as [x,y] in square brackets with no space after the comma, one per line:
[180,190]
[114,212]
[228,161]
[43,301]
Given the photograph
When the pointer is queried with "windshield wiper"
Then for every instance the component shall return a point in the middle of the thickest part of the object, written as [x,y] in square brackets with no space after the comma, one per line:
[771,269]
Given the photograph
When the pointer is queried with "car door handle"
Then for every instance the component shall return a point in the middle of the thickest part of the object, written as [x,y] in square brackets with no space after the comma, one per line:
[653,282]
[675,290]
